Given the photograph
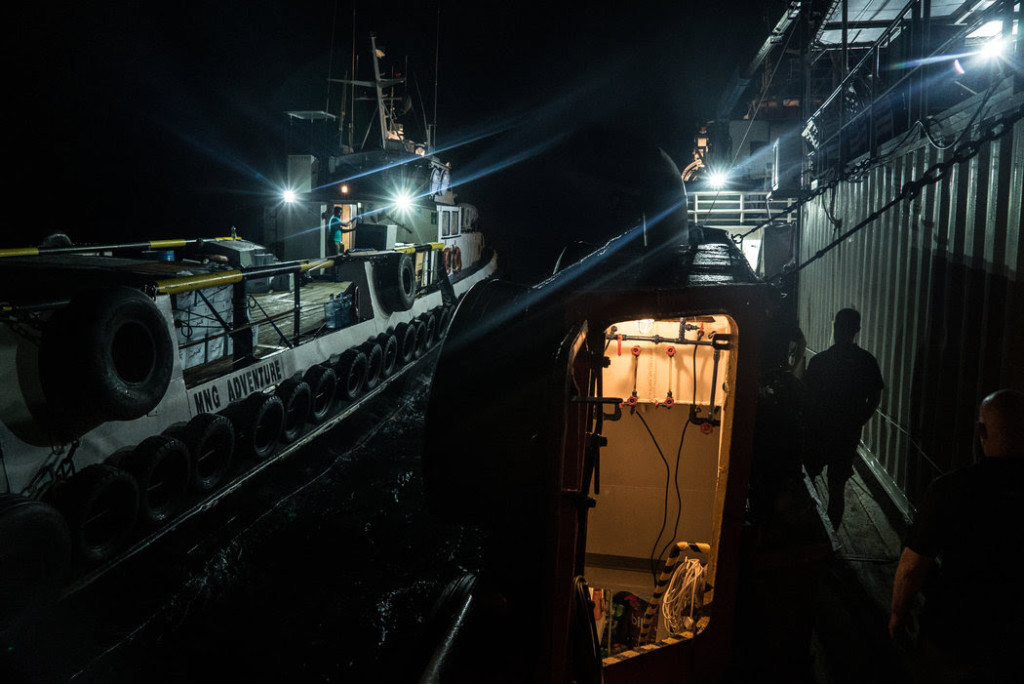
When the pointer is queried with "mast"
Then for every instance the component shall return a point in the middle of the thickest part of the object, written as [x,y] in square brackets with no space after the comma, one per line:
[381,113]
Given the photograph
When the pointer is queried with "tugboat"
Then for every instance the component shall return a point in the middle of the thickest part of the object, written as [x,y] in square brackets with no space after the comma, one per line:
[607,454]
[139,378]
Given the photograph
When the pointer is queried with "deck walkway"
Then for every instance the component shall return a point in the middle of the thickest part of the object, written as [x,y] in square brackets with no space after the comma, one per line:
[850,641]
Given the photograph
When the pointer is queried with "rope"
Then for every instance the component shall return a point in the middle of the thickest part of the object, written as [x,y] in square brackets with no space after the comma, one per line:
[685,594]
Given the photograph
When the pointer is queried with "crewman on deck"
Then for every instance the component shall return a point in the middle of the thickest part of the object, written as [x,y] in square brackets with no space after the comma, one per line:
[844,386]
[970,529]
[336,227]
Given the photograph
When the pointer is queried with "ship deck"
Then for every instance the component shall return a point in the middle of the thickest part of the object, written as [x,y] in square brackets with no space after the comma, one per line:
[273,316]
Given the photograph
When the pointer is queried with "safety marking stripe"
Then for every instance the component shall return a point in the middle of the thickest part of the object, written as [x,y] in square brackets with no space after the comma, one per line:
[187,283]
[662,583]
[19,251]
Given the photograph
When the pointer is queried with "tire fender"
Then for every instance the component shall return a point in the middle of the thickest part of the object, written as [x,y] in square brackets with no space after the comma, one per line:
[296,397]
[210,439]
[351,370]
[100,504]
[109,354]
[406,335]
[374,363]
[162,468]
[389,344]
[258,421]
[396,281]
[36,552]
[323,385]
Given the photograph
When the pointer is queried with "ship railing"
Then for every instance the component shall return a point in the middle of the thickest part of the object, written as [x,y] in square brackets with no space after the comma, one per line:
[736,209]
[895,85]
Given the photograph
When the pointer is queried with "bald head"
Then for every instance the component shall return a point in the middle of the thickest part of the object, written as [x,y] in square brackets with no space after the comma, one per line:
[1001,424]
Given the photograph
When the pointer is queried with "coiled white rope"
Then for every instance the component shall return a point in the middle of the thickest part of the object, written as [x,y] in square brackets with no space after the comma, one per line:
[684,596]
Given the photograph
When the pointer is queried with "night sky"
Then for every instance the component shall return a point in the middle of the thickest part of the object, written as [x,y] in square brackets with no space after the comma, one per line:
[146,120]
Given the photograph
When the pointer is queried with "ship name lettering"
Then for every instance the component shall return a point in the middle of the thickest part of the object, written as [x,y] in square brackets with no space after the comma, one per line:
[207,400]
[254,380]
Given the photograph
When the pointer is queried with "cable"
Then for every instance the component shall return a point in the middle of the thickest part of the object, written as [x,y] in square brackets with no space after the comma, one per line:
[684,596]
[664,514]
[675,474]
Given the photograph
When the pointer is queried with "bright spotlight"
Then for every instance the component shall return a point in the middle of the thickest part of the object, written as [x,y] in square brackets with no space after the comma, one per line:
[717,180]
[993,49]
[403,201]
[290,196]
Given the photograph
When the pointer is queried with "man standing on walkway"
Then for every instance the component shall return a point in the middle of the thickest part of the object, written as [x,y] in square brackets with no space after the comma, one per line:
[844,387]
[973,521]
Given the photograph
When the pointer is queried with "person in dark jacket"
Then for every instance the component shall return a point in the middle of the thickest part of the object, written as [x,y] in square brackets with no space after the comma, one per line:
[965,550]
[844,386]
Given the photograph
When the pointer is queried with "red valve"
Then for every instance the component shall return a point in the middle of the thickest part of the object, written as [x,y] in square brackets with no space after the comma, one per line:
[671,351]
[632,400]
[669,401]
[707,428]
[636,350]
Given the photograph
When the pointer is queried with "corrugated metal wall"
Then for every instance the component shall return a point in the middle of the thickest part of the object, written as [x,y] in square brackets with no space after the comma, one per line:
[937,282]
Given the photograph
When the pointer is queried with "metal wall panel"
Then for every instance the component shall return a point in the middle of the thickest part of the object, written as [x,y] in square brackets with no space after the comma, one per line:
[937,282]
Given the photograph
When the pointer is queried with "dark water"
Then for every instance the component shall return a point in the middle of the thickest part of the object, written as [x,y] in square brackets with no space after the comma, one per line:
[323,568]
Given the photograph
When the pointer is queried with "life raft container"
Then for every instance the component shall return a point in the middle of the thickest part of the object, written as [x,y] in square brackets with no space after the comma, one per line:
[107,356]
[396,282]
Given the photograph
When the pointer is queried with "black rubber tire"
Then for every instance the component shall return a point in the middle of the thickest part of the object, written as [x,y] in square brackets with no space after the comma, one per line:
[107,355]
[444,317]
[323,385]
[100,504]
[429,320]
[162,468]
[389,345]
[351,370]
[421,343]
[374,363]
[396,282]
[258,420]
[35,557]
[297,398]
[406,335]
[210,439]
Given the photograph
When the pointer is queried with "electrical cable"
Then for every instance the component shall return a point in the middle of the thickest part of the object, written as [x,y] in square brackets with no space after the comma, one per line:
[684,596]
[675,475]
[664,514]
